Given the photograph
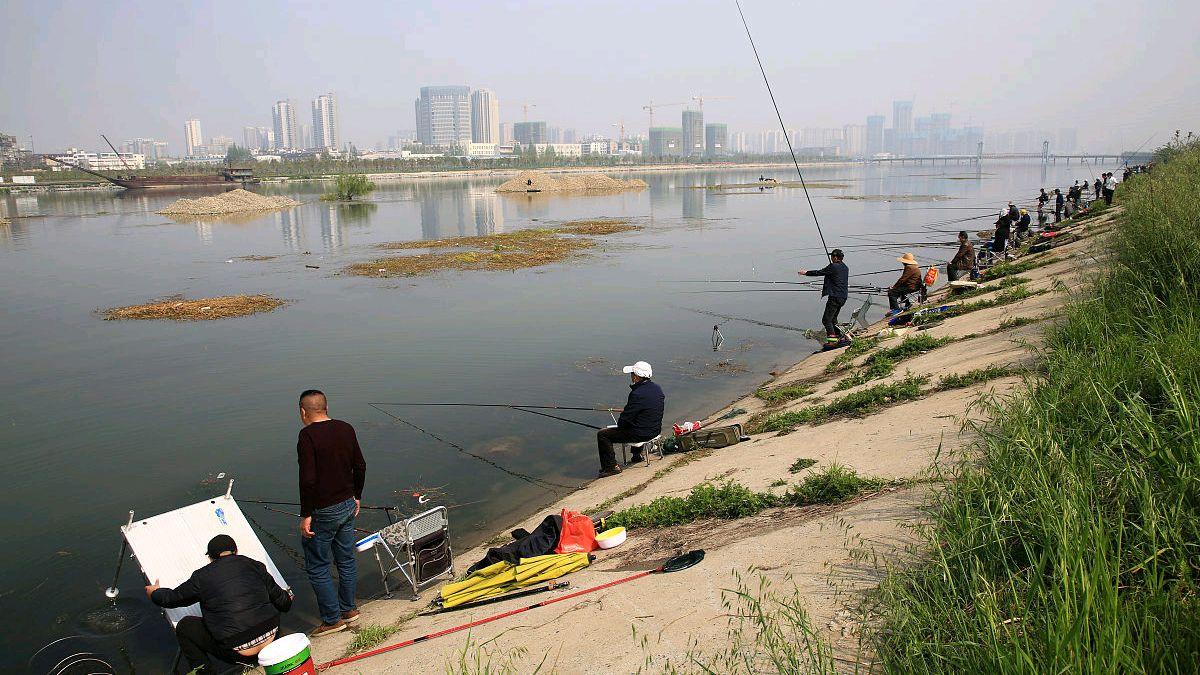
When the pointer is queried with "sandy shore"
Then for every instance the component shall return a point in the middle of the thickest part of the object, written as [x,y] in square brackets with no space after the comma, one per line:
[832,554]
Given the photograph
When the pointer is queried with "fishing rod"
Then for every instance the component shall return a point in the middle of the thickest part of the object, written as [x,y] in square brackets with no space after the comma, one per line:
[675,564]
[532,480]
[556,417]
[297,515]
[783,126]
[273,503]
[503,405]
[858,291]
[730,317]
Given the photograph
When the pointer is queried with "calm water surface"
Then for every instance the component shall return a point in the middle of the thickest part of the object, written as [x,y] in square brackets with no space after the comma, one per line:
[100,417]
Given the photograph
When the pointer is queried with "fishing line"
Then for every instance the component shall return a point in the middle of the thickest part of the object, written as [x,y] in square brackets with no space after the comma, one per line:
[533,480]
[730,317]
[783,126]
[556,417]
[503,405]
[264,502]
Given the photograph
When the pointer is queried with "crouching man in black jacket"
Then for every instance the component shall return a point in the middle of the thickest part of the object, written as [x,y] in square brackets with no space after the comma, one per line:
[640,420]
[240,602]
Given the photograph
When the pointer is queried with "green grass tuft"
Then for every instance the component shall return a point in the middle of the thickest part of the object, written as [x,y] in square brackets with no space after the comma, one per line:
[801,464]
[779,395]
[861,402]
[369,637]
[976,376]
[856,349]
[883,362]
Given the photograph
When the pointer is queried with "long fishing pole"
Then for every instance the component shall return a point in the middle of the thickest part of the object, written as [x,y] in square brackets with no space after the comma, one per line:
[274,503]
[731,317]
[556,417]
[783,126]
[503,405]
[532,480]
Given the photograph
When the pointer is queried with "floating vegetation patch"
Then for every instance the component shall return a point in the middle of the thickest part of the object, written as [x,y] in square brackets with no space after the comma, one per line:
[178,308]
[256,258]
[896,198]
[814,185]
[505,251]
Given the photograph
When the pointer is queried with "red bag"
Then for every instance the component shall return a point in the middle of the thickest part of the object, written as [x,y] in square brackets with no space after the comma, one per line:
[931,276]
[578,534]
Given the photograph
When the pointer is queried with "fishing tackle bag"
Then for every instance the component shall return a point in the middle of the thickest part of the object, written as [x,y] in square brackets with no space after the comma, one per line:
[711,438]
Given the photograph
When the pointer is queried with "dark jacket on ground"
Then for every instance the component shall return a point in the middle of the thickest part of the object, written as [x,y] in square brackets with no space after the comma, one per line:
[238,598]
[837,280]
[332,468]
[909,281]
[965,258]
[643,413]
[542,541]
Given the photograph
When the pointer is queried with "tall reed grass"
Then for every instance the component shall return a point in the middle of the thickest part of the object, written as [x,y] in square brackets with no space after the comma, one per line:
[1071,543]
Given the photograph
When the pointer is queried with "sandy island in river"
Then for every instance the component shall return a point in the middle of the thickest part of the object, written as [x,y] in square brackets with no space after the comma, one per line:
[204,309]
[505,251]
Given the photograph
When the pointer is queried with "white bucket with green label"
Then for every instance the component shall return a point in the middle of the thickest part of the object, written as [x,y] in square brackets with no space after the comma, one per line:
[288,655]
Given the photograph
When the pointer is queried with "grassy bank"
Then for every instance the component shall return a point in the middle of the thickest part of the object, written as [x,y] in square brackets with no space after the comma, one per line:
[1072,542]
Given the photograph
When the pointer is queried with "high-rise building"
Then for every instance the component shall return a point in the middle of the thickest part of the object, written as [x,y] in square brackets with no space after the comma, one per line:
[443,116]
[570,136]
[485,116]
[219,145]
[506,133]
[738,142]
[191,136]
[716,140]
[874,135]
[287,134]
[325,123]
[902,116]
[530,133]
[250,138]
[693,133]
[665,142]
[854,140]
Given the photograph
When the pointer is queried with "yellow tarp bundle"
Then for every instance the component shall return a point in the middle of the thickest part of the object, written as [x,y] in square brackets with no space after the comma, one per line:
[503,577]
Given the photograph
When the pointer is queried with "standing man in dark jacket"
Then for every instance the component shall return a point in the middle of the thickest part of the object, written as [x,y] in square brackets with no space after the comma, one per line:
[332,475]
[1058,205]
[640,420]
[835,288]
[240,603]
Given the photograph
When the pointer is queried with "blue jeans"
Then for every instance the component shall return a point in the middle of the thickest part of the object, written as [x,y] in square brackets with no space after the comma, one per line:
[332,542]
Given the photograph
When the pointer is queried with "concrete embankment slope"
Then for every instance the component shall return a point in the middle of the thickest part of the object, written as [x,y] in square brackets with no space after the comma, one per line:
[831,553]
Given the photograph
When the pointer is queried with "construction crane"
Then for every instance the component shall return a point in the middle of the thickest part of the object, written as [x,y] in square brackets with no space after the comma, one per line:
[650,108]
[700,98]
[525,110]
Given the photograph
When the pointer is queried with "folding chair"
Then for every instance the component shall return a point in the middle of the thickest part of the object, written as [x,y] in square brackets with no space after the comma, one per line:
[425,539]
[858,320]
[171,546]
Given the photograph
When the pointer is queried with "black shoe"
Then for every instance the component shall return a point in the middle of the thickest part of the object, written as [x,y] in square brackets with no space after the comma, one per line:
[637,459]
[611,471]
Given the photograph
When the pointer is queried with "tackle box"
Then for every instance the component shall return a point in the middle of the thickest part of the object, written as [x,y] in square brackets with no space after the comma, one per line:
[711,438]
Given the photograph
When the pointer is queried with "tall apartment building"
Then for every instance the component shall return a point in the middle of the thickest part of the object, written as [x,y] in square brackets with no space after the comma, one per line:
[693,133]
[716,140]
[250,138]
[902,116]
[287,134]
[444,116]
[530,133]
[325,123]
[192,137]
[485,116]
[506,133]
[665,142]
[874,134]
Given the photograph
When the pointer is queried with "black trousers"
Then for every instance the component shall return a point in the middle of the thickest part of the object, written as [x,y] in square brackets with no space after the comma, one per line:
[605,438]
[197,645]
[955,274]
[894,297]
[829,319]
[1108,195]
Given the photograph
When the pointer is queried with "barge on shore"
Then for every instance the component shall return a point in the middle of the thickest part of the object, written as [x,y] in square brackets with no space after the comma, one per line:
[227,177]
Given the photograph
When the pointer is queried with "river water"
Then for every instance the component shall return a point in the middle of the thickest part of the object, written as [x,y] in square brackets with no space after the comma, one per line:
[101,417]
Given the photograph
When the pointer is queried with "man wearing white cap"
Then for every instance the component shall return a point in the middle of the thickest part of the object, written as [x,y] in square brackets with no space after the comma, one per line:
[640,420]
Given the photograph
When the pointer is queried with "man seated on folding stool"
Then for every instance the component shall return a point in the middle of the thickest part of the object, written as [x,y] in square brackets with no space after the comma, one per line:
[909,282]
[640,420]
[240,603]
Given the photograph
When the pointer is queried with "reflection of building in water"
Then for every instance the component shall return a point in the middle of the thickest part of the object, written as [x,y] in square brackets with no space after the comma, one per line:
[331,228]
[693,202]
[489,213]
[288,221]
[445,214]
[204,232]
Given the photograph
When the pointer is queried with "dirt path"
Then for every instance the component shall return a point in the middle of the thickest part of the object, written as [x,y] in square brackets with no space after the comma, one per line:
[831,553]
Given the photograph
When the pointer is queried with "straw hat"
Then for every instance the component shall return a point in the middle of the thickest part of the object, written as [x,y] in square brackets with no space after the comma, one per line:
[907,259]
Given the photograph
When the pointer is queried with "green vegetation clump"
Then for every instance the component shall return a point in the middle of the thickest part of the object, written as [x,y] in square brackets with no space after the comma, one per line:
[790,392]
[856,349]
[861,402]
[1068,542]
[883,362]
[976,376]
[729,500]
[801,464]
[1004,297]
[349,186]
[1008,269]
[369,637]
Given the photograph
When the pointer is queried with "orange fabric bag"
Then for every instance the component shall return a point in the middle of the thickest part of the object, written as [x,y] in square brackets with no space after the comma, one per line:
[931,276]
[578,534]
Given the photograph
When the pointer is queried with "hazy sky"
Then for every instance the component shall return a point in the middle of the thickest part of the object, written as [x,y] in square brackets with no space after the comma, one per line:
[1117,70]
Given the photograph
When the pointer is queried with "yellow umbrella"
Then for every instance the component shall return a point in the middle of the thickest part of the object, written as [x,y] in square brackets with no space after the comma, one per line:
[503,577]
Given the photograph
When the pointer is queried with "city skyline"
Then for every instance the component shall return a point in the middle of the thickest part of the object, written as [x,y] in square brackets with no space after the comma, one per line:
[1017,80]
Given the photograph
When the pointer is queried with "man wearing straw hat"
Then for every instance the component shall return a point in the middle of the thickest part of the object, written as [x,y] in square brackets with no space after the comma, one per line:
[909,282]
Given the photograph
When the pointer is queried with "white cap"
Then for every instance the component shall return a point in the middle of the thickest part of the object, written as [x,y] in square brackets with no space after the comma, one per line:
[641,369]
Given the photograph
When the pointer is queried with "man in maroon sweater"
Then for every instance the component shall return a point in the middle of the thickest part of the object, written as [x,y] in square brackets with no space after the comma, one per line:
[332,474]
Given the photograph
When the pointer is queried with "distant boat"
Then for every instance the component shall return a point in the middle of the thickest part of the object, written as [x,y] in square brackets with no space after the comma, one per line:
[230,176]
